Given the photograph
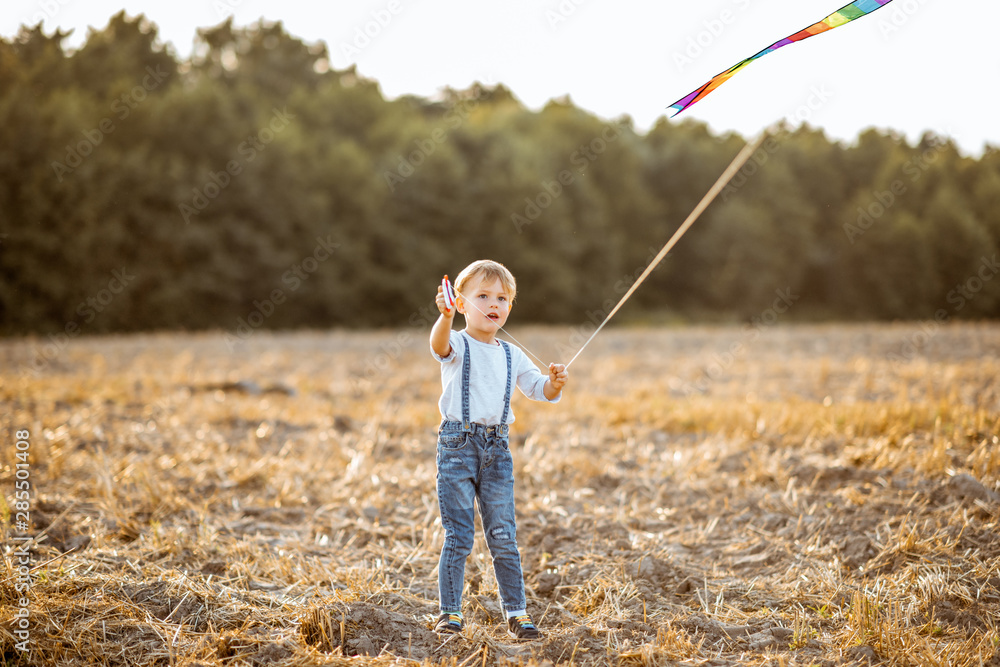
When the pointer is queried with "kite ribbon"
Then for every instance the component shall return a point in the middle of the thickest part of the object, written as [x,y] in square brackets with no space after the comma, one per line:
[730,171]
[845,14]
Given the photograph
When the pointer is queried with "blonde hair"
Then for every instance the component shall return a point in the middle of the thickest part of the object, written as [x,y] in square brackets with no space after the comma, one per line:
[487,271]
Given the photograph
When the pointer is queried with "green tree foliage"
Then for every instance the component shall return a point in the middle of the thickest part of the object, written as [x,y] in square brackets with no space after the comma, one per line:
[252,186]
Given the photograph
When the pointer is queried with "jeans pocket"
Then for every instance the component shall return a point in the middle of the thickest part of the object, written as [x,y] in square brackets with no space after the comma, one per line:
[453,440]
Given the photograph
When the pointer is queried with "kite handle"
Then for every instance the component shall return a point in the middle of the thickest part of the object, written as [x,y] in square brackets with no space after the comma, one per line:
[449,294]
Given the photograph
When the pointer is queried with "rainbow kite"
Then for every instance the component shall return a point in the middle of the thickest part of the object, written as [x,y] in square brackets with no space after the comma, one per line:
[845,14]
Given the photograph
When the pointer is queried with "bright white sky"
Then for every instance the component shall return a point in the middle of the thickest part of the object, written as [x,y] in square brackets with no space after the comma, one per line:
[912,66]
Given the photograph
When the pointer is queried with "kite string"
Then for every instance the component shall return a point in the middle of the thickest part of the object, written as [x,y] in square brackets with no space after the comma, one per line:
[726,176]
[516,341]
[730,171]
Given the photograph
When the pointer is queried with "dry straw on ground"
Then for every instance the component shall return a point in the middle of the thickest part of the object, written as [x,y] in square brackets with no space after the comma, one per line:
[827,495]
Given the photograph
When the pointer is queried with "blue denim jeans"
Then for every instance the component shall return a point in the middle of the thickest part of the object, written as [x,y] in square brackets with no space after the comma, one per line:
[476,466]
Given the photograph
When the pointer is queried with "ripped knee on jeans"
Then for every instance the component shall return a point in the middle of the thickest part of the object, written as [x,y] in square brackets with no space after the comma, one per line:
[500,534]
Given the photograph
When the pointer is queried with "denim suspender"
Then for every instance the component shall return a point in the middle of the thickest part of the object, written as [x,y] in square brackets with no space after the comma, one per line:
[466,423]
[506,395]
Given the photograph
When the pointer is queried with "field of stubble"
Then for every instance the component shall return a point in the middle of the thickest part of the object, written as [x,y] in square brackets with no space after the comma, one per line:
[807,500]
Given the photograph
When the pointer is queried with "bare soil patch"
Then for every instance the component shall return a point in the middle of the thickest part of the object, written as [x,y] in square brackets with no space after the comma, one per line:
[821,497]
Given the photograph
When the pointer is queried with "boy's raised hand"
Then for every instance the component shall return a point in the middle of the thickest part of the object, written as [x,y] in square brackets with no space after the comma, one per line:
[558,375]
[442,304]
[441,330]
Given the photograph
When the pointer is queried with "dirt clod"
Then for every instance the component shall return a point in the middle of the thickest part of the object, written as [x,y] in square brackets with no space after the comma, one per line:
[966,487]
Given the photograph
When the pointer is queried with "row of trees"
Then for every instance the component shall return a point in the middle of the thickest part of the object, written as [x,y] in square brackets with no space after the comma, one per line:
[253,186]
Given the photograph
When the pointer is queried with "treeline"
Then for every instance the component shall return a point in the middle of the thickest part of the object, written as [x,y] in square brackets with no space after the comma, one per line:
[253,186]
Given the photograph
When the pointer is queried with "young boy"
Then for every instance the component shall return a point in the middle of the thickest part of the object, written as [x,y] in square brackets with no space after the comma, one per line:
[473,454]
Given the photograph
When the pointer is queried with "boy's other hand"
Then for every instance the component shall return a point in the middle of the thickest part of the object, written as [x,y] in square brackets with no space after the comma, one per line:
[558,375]
[441,304]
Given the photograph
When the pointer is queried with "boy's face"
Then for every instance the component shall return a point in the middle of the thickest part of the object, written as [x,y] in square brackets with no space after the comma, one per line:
[489,306]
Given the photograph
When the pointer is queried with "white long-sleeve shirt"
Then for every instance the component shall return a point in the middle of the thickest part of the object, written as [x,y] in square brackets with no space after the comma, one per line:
[487,379]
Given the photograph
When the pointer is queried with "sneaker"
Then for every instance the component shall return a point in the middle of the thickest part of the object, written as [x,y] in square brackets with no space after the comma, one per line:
[521,627]
[449,624]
